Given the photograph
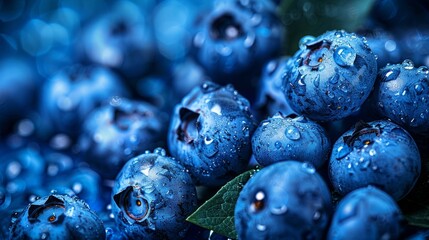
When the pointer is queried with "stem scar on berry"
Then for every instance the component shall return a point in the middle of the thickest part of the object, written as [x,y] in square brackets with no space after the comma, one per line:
[314,57]
[258,202]
[226,27]
[188,130]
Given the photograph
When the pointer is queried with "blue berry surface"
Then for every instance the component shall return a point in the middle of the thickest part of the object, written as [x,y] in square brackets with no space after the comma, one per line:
[331,76]
[284,199]
[402,95]
[120,130]
[152,197]
[210,133]
[281,138]
[57,217]
[379,153]
[367,212]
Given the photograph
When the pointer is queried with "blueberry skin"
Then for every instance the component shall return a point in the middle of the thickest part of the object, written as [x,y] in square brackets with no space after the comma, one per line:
[152,196]
[331,76]
[367,212]
[120,130]
[270,97]
[378,153]
[236,38]
[57,217]
[210,133]
[402,93]
[70,95]
[286,199]
[280,138]
[121,39]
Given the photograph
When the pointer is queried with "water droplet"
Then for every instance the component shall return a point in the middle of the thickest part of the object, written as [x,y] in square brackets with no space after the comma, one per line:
[216,109]
[261,227]
[278,144]
[224,50]
[334,79]
[423,69]
[419,89]
[292,133]
[317,215]
[115,101]
[279,210]
[249,41]
[308,167]
[300,87]
[208,140]
[44,236]
[199,39]
[304,40]
[422,115]
[345,56]
[160,151]
[372,152]
[390,75]
[316,80]
[408,64]
[342,152]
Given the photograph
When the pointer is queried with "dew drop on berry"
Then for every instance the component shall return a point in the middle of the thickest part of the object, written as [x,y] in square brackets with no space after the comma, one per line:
[309,168]
[423,69]
[419,89]
[261,227]
[279,210]
[390,75]
[408,64]
[292,133]
[334,79]
[278,144]
[345,56]
[316,80]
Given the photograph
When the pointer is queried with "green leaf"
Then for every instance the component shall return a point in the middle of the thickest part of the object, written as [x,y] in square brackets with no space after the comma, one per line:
[314,17]
[217,213]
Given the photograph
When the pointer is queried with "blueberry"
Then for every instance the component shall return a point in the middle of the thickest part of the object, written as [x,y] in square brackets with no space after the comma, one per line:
[331,76]
[18,88]
[270,98]
[378,153]
[210,133]
[57,217]
[235,38]
[116,132]
[74,92]
[152,197]
[281,138]
[367,212]
[401,95]
[385,46]
[284,200]
[121,39]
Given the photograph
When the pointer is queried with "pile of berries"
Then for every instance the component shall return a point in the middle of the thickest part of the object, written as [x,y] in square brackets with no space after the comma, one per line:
[118,119]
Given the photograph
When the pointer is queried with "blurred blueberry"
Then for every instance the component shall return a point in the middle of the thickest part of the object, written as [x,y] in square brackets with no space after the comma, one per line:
[122,39]
[367,212]
[116,132]
[72,93]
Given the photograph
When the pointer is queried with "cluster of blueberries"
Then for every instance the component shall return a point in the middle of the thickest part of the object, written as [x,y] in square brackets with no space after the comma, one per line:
[119,118]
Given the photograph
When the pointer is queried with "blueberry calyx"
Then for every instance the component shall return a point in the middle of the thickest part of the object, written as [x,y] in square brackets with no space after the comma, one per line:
[189,125]
[54,204]
[133,203]
[362,136]
[315,56]
[226,27]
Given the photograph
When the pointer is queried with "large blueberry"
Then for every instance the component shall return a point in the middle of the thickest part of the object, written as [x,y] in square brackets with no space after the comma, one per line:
[378,153]
[122,39]
[236,38]
[367,212]
[152,197]
[402,95]
[210,133]
[116,132]
[72,93]
[331,76]
[281,138]
[57,217]
[284,200]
